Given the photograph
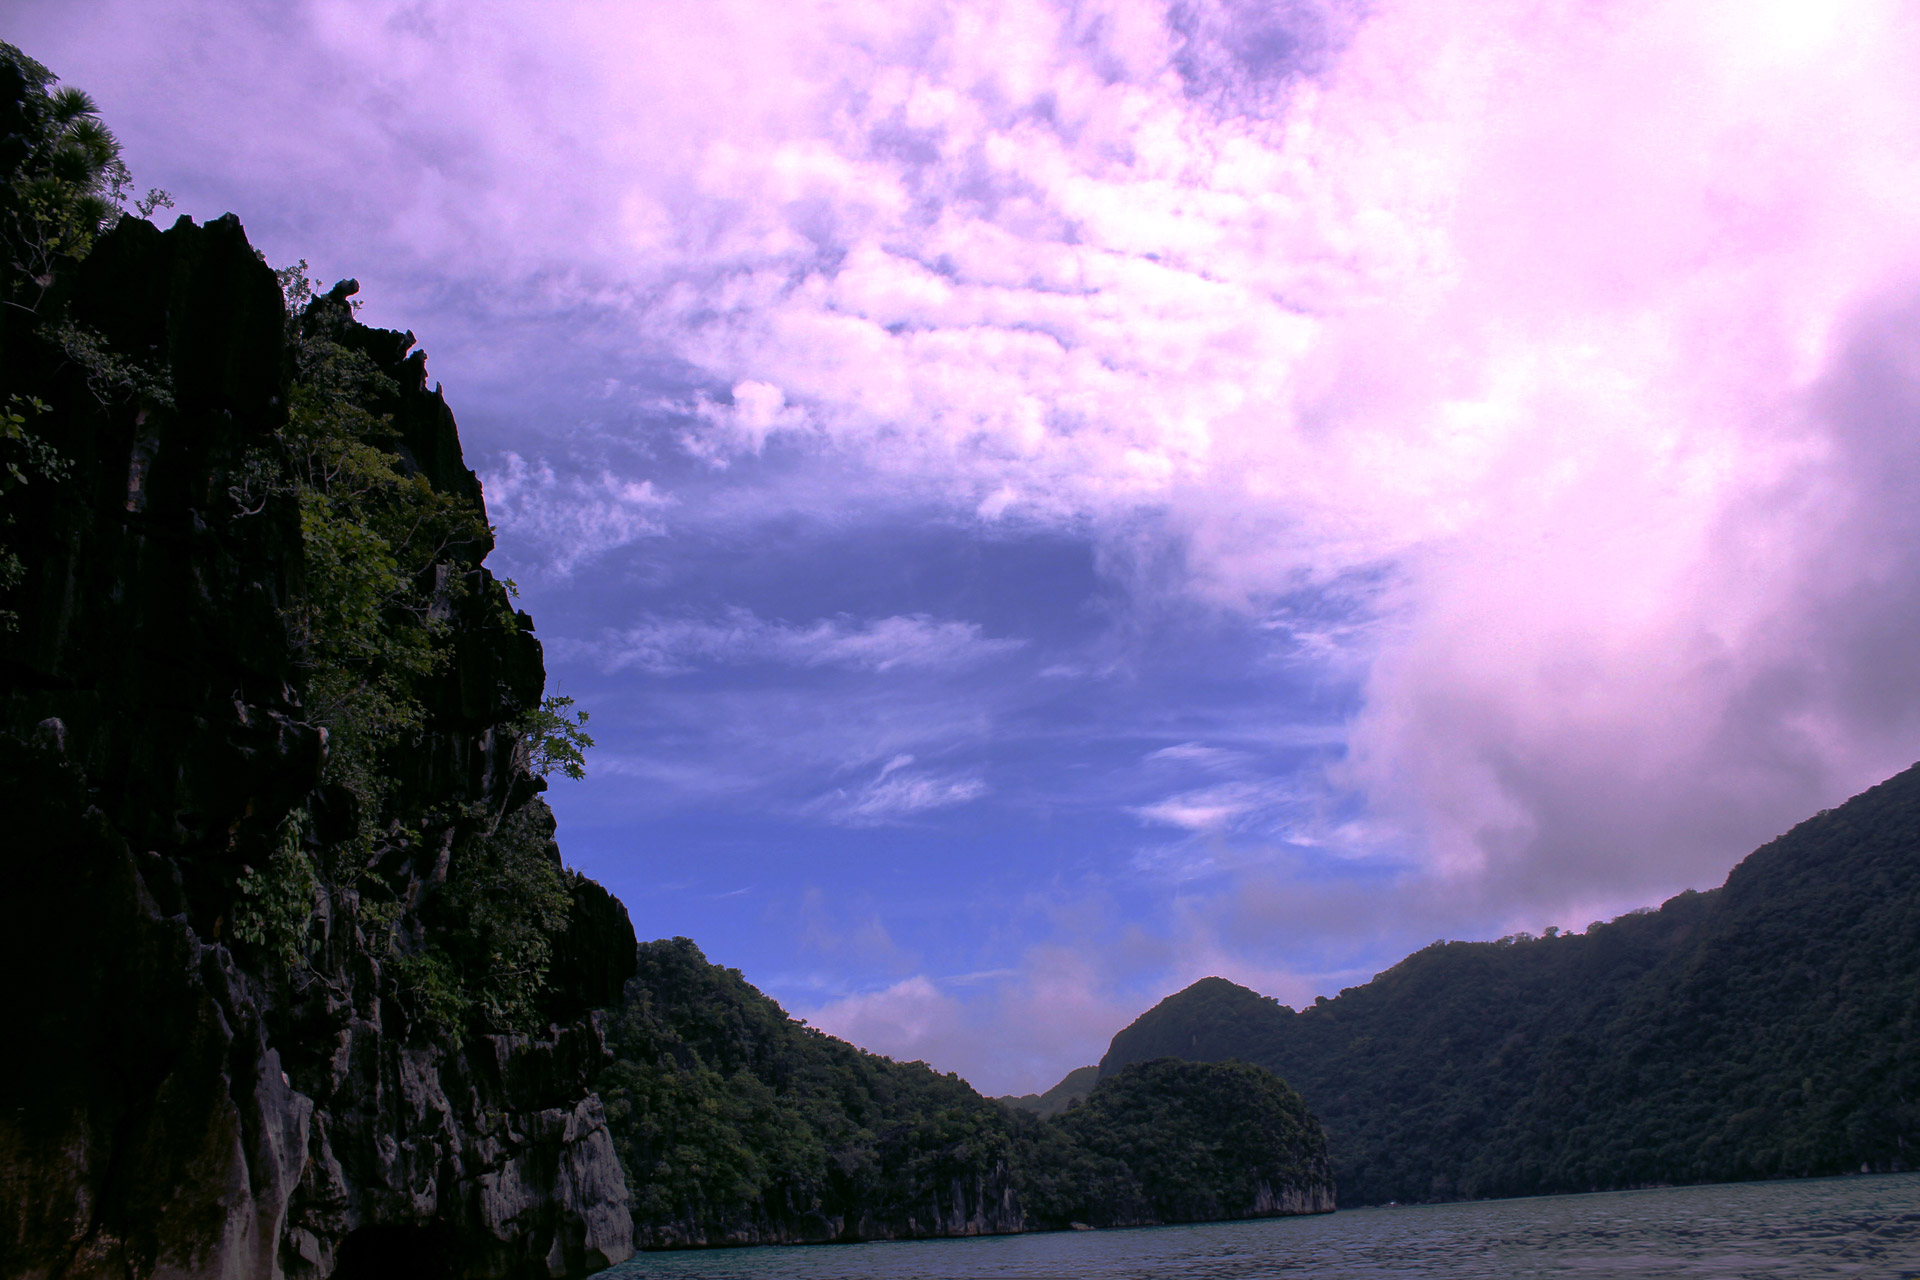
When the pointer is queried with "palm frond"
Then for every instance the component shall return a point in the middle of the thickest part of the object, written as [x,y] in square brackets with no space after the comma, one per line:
[70,104]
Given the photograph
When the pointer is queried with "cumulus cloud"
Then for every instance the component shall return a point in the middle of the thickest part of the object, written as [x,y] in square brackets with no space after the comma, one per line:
[909,642]
[1020,1027]
[1006,1030]
[903,1021]
[1527,313]
[1569,346]
[753,411]
[569,521]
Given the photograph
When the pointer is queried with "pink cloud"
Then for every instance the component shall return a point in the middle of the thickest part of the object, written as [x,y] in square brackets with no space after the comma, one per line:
[1004,1032]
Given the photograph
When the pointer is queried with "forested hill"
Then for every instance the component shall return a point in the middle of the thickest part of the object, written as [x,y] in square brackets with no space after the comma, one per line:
[1073,1087]
[739,1125]
[1768,1028]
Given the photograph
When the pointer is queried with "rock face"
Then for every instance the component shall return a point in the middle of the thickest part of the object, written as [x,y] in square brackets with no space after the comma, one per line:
[972,1204]
[168,1106]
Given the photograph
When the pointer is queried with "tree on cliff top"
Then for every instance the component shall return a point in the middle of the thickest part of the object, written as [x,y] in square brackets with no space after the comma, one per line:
[62,183]
[62,179]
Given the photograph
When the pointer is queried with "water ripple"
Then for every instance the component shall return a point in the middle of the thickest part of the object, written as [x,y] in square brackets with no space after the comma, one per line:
[1866,1227]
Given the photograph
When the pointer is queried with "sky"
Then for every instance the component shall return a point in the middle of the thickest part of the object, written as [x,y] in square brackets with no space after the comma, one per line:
[1047,500]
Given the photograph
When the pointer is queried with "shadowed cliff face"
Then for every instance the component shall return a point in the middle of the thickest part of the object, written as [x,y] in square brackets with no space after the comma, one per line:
[176,1100]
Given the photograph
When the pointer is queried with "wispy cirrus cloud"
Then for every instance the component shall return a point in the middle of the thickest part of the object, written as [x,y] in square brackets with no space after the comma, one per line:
[914,642]
[1218,807]
[1196,753]
[899,792]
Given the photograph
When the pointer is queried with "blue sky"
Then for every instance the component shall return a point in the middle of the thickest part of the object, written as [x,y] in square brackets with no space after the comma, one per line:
[1046,500]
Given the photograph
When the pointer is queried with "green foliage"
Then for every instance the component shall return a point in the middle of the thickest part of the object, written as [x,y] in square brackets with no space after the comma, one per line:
[1074,1087]
[1770,1028]
[555,738]
[25,457]
[728,1114]
[298,289]
[64,181]
[504,899]
[110,375]
[275,908]
[429,985]
[388,559]
[734,1121]
[381,569]
[454,902]
[1172,1141]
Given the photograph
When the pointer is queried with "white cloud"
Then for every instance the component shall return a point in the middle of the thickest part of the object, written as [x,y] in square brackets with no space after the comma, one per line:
[1197,753]
[904,1021]
[1581,331]
[1215,808]
[914,642]
[571,521]
[1019,1030]
[755,411]
[898,792]
[1021,1027]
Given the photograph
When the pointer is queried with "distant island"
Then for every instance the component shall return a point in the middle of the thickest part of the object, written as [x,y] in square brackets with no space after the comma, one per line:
[738,1125]
[1766,1029]
[1073,1088]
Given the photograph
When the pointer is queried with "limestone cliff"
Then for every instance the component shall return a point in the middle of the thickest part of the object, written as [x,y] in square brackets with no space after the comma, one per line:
[975,1203]
[174,1101]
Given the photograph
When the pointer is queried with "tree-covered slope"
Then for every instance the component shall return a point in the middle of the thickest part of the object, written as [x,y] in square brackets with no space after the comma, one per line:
[737,1124]
[1763,1029]
[1073,1087]
[1174,1141]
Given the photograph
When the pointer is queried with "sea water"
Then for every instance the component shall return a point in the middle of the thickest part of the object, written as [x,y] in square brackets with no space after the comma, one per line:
[1865,1227]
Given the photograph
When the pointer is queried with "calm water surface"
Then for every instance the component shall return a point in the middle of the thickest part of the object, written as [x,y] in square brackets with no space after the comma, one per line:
[1868,1227]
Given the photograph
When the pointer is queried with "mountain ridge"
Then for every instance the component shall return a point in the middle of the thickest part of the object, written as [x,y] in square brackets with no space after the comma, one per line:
[1764,1028]
[738,1124]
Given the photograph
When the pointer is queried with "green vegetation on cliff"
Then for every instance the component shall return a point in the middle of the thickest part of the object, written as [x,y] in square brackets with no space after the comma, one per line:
[380,587]
[1769,1028]
[1174,1141]
[391,561]
[310,981]
[737,1124]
